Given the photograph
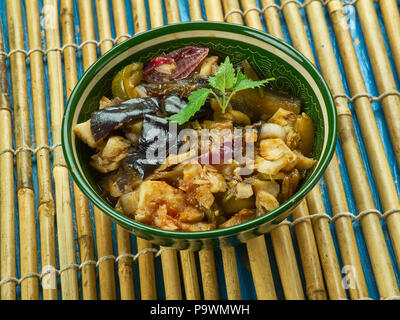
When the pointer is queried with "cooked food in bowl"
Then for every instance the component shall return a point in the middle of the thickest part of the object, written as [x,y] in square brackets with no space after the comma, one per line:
[190,142]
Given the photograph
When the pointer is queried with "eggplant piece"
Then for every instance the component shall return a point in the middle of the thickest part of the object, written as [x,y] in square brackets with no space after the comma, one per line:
[108,119]
[262,103]
[175,65]
[155,137]
[141,164]
[172,105]
[182,88]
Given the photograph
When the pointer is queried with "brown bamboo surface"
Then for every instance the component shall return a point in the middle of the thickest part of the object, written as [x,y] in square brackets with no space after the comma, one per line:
[341,242]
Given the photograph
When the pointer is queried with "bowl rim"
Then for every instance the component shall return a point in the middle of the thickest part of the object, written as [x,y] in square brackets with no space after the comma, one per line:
[211,234]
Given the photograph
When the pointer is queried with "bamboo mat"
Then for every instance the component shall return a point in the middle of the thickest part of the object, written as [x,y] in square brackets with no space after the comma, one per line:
[342,242]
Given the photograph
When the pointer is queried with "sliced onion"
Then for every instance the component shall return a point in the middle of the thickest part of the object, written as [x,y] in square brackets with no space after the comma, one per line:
[176,65]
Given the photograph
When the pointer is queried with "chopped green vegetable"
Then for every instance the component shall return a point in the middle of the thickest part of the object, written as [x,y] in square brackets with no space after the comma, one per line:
[224,79]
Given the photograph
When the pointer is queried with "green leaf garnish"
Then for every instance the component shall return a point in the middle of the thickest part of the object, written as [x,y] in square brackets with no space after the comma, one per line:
[223,80]
[196,101]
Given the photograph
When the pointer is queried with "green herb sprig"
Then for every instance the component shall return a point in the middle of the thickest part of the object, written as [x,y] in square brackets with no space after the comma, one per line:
[225,79]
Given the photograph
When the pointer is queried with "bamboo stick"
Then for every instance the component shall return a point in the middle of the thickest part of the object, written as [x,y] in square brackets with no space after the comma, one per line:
[234,17]
[146,261]
[280,236]
[7,217]
[315,287]
[139,15]
[195,10]
[25,193]
[287,263]
[214,10]
[106,248]
[376,244]
[214,13]
[189,273]
[82,211]
[125,269]
[345,232]
[272,20]
[146,271]
[261,269]
[169,258]
[172,11]
[69,281]
[326,247]
[46,207]
[102,221]
[208,274]
[391,18]
[172,282]
[252,16]
[391,104]
[231,274]
[156,13]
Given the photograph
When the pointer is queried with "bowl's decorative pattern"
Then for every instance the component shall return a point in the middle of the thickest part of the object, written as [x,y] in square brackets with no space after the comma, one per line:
[268,55]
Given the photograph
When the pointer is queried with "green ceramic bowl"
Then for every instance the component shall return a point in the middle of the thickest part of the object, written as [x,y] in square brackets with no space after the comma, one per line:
[270,57]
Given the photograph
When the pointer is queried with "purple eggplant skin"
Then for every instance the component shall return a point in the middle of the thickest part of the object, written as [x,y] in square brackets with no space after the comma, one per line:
[155,137]
[110,118]
[172,105]
[182,88]
[139,162]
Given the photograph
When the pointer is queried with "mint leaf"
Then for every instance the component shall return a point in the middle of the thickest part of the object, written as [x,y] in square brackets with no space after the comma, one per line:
[244,83]
[225,77]
[196,101]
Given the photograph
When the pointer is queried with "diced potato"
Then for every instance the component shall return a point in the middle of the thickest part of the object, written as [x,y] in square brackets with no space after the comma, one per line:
[133,131]
[84,133]
[217,182]
[271,187]
[274,149]
[109,159]
[265,202]
[104,103]
[204,196]
[115,148]
[304,163]
[104,166]
[270,167]
[129,203]
[190,216]
[244,191]
[191,171]
[209,66]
